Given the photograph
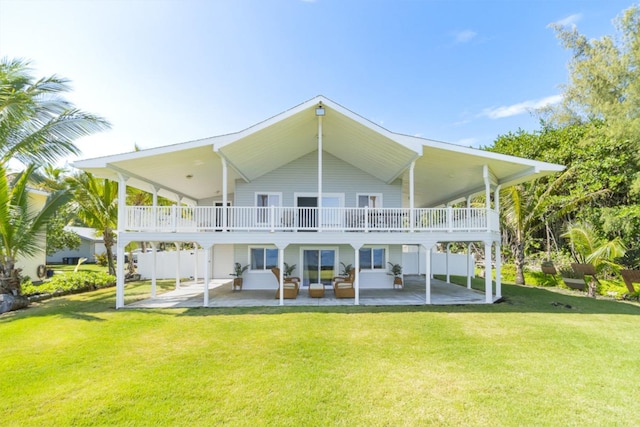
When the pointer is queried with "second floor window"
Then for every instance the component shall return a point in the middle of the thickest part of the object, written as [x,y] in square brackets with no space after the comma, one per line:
[265,201]
[370,200]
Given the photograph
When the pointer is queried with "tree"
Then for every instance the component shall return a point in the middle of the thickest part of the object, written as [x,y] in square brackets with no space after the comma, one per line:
[527,208]
[604,78]
[37,125]
[21,226]
[96,204]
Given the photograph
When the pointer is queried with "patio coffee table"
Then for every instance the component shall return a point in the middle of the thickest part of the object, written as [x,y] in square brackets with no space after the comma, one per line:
[316,290]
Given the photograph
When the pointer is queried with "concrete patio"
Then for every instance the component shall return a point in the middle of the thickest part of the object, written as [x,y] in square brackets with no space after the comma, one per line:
[190,294]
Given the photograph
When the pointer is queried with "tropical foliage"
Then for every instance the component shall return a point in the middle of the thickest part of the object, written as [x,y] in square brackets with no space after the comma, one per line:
[37,125]
[22,225]
[95,203]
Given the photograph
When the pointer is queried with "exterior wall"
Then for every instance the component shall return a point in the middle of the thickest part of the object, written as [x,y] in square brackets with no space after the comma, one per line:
[301,176]
[87,249]
[413,262]
[166,264]
[29,265]
[293,255]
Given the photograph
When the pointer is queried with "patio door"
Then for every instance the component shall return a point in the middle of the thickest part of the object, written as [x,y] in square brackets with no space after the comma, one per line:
[318,266]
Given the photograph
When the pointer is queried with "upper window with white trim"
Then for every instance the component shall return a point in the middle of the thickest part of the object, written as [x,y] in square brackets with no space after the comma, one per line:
[370,200]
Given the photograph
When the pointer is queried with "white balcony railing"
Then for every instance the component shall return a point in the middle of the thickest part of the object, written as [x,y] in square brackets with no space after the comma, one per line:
[209,218]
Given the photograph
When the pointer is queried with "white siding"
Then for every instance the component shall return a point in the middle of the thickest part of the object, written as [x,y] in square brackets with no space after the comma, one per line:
[292,255]
[301,176]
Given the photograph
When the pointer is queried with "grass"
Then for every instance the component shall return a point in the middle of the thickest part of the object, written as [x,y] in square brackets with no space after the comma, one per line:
[63,268]
[531,360]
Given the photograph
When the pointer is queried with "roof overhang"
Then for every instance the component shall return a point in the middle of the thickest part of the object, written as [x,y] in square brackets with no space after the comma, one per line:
[194,170]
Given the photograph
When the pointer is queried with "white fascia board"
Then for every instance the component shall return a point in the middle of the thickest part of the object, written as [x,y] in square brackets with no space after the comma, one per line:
[540,166]
[102,162]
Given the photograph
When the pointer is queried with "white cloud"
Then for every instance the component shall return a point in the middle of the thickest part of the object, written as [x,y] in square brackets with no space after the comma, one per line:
[569,21]
[464,36]
[520,108]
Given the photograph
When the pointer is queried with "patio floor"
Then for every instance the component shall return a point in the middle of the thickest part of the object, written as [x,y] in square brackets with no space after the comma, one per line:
[190,294]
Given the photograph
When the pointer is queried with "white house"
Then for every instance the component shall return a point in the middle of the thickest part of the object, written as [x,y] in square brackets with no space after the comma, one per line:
[314,186]
[90,245]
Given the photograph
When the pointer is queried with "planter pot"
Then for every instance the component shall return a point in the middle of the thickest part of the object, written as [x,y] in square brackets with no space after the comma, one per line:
[397,281]
[574,283]
[237,283]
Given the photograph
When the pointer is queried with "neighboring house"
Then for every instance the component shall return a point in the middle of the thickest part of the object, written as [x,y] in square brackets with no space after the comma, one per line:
[90,245]
[30,264]
[315,186]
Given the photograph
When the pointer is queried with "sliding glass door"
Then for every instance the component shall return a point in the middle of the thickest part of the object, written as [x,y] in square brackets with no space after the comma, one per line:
[318,266]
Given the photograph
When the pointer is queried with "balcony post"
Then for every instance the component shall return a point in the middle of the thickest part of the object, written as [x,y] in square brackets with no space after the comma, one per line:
[488,284]
[412,214]
[207,275]
[154,208]
[224,194]
[356,275]
[366,219]
[427,274]
[319,220]
[154,260]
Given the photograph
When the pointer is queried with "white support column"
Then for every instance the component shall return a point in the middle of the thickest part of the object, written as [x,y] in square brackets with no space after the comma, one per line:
[154,205]
[177,264]
[122,203]
[120,274]
[428,274]
[488,285]
[447,262]
[122,211]
[319,217]
[496,205]
[207,276]
[412,214]
[281,278]
[356,282]
[195,262]
[153,269]
[469,265]
[498,272]
[224,194]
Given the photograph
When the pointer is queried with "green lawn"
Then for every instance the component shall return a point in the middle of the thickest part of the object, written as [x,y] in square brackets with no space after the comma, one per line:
[528,361]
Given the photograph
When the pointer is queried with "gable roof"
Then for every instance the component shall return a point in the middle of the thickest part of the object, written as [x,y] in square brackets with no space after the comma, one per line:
[193,169]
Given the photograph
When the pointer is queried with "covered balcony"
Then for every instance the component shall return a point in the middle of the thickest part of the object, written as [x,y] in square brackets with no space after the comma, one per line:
[175,218]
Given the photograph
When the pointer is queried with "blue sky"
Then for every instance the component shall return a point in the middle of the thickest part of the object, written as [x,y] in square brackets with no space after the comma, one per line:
[171,71]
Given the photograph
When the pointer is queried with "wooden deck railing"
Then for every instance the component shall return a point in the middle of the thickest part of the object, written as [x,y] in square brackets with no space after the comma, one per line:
[209,218]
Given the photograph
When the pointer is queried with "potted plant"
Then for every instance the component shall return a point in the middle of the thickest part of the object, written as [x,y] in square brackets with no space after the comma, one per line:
[288,269]
[396,272]
[572,279]
[238,271]
[346,269]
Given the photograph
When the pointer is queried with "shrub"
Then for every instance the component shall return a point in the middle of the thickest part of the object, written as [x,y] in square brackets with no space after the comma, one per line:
[71,282]
[101,259]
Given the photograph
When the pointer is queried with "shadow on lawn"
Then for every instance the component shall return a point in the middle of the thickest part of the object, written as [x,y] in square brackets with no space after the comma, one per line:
[517,299]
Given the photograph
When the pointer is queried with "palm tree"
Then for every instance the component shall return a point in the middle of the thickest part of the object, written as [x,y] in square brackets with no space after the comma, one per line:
[527,208]
[96,204]
[21,226]
[37,125]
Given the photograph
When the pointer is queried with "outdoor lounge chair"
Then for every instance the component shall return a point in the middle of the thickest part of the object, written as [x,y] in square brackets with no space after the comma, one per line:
[291,285]
[343,286]
[587,270]
[630,277]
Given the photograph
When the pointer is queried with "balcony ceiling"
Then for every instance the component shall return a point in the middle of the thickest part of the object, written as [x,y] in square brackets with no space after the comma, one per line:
[193,169]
